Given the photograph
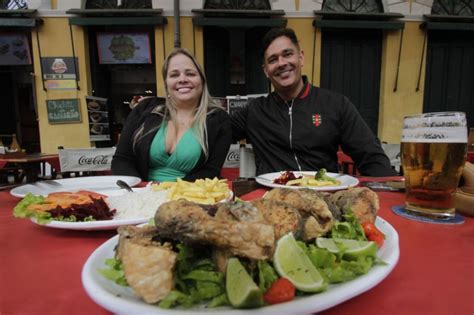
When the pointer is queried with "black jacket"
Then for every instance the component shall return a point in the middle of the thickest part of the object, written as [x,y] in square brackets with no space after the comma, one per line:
[305,133]
[128,162]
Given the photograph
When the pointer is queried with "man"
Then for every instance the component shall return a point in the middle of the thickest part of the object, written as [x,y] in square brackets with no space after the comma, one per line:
[300,126]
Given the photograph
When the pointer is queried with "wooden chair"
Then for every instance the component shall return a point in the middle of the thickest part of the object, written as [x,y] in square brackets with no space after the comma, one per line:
[346,164]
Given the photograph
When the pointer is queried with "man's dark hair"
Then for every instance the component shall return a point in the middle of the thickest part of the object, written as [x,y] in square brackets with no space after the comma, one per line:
[277,32]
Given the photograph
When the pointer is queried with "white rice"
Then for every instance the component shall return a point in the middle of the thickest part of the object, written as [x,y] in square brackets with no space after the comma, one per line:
[133,205]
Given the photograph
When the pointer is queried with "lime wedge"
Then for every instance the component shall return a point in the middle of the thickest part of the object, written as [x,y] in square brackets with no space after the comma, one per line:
[291,262]
[241,289]
[351,249]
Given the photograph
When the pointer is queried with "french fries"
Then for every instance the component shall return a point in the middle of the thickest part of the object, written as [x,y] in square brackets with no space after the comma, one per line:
[311,182]
[204,191]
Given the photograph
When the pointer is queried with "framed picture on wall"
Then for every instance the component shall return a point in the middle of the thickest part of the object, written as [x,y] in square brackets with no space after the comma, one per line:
[124,47]
[14,49]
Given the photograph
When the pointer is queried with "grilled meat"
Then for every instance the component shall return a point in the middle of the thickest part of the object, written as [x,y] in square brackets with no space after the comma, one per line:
[148,265]
[188,222]
[317,218]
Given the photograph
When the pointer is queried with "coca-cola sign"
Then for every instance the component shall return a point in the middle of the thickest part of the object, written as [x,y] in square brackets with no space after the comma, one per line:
[233,156]
[93,160]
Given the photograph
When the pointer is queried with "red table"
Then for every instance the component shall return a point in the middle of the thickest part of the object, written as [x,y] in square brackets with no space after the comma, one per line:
[41,267]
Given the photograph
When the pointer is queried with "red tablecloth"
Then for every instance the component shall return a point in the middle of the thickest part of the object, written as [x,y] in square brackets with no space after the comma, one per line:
[41,267]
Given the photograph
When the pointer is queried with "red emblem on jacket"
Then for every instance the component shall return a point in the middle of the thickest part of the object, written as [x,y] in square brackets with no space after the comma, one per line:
[316,120]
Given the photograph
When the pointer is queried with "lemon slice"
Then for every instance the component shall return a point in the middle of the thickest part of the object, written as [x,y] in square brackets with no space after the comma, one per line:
[291,262]
[351,249]
[241,289]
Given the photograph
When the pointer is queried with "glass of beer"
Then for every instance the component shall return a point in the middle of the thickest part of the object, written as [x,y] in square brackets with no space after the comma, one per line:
[433,152]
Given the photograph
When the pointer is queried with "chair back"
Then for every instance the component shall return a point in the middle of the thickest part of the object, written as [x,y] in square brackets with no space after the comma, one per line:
[86,159]
[393,153]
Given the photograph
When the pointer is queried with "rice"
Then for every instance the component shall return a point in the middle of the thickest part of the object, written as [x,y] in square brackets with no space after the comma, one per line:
[132,205]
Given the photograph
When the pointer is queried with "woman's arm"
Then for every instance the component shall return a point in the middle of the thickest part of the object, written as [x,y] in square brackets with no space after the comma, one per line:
[124,161]
[219,141]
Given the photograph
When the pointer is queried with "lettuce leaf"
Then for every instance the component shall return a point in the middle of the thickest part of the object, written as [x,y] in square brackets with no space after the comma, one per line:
[114,271]
[266,275]
[21,211]
[350,229]
[197,279]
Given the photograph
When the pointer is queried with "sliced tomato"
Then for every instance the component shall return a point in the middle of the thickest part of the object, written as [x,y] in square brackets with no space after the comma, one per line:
[282,290]
[92,194]
[373,233]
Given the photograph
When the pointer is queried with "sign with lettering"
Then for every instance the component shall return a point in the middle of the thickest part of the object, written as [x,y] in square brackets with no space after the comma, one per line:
[235,103]
[60,73]
[86,159]
[232,159]
[63,111]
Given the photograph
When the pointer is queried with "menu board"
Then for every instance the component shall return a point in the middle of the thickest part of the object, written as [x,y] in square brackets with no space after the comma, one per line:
[14,49]
[99,126]
[123,48]
[63,111]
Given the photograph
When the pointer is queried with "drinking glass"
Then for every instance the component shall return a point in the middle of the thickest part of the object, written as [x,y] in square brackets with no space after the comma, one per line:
[433,152]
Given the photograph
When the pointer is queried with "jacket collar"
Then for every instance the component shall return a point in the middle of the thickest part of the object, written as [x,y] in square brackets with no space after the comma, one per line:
[303,93]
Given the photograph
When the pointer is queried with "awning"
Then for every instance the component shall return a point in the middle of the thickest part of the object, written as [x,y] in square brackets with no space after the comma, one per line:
[19,22]
[239,18]
[448,22]
[117,17]
[238,22]
[19,18]
[145,20]
[381,21]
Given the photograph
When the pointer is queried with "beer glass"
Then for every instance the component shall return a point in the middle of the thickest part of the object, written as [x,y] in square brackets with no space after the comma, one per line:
[433,152]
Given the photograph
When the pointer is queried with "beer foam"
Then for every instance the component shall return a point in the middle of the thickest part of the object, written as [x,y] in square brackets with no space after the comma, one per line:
[435,127]
[431,135]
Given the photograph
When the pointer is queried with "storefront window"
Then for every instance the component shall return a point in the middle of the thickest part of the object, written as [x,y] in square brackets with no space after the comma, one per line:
[13,4]
[453,7]
[359,6]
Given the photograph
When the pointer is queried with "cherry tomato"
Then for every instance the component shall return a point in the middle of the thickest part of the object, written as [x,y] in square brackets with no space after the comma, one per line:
[282,290]
[373,234]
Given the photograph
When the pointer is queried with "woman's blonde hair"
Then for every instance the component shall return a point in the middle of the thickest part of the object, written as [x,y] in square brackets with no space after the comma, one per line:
[206,105]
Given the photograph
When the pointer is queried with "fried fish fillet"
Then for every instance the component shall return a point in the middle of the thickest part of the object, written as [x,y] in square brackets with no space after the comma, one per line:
[148,265]
[362,201]
[188,222]
[317,218]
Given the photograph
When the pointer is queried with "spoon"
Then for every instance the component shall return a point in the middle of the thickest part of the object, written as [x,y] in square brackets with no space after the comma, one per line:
[124,185]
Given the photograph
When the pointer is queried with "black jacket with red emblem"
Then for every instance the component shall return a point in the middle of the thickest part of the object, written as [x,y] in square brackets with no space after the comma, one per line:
[305,133]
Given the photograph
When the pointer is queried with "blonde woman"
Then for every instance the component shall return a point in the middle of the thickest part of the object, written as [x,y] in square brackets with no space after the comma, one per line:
[188,137]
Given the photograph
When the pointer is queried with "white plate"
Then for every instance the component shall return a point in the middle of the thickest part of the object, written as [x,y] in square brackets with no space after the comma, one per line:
[106,224]
[101,224]
[121,300]
[346,181]
[92,225]
[91,183]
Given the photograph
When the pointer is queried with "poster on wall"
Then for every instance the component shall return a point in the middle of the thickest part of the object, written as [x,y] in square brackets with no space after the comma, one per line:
[98,114]
[60,73]
[14,50]
[123,48]
[63,111]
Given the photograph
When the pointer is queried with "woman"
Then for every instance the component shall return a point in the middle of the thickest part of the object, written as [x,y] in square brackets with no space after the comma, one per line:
[187,138]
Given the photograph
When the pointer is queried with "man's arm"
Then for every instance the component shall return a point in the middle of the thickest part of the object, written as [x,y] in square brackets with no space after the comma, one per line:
[361,144]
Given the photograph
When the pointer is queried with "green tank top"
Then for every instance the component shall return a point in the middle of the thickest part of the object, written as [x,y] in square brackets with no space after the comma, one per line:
[166,167]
